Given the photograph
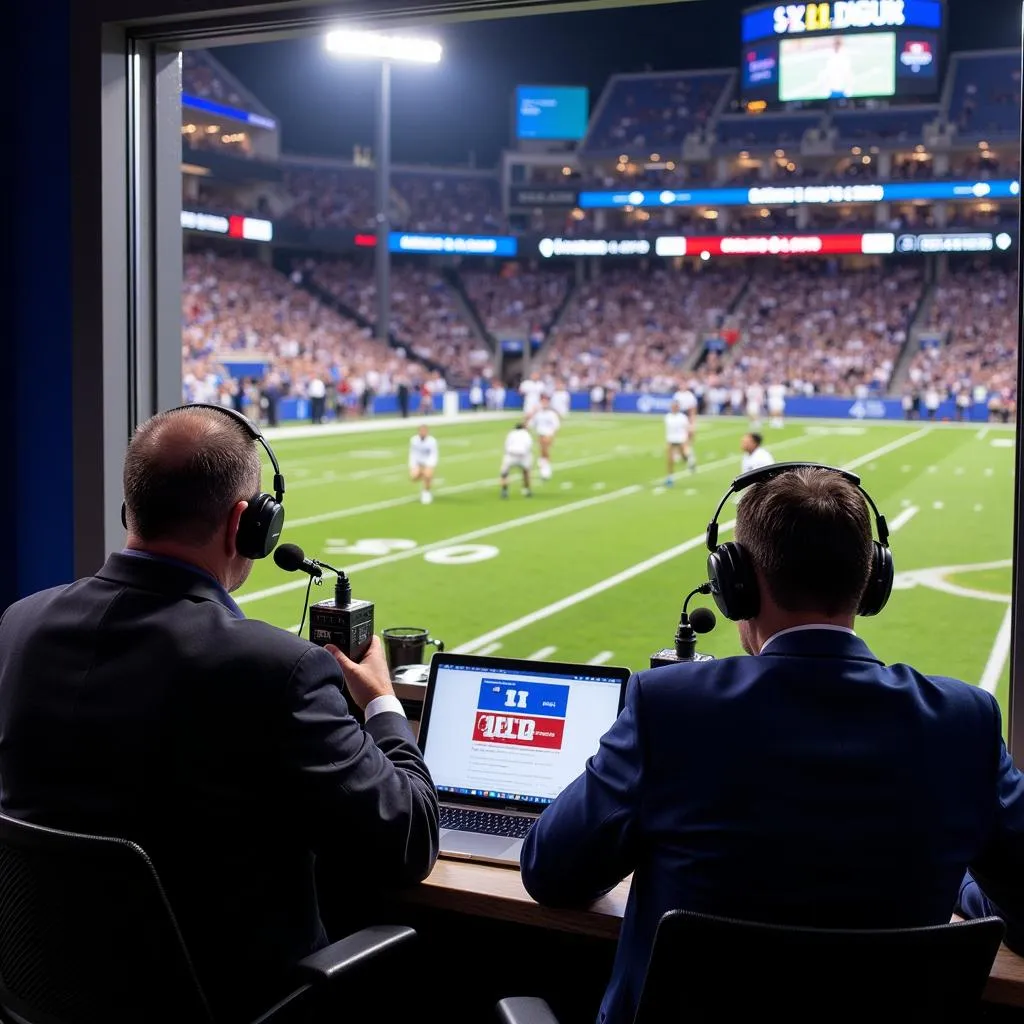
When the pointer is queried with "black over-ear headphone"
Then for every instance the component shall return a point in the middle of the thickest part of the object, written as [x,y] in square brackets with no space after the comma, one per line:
[731,571]
[260,526]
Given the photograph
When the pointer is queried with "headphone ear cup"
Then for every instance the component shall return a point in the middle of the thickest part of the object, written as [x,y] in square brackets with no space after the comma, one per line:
[883,573]
[733,582]
[260,527]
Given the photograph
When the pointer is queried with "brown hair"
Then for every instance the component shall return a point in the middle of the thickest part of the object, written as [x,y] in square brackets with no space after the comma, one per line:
[183,472]
[808,533]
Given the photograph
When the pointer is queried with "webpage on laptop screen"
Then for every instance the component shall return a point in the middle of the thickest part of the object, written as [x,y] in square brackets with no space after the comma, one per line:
[512,735]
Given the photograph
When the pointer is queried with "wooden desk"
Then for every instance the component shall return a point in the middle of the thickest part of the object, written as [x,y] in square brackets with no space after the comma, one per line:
[497,893]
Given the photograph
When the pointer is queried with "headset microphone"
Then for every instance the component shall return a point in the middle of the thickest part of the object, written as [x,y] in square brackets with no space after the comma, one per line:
[292,558]
[701,621]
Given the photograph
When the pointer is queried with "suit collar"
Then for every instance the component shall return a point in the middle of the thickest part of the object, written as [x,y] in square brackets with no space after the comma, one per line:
[820,643]
[166,576]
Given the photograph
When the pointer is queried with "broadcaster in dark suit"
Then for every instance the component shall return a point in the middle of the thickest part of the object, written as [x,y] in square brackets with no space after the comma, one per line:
[141,703]
[809,784]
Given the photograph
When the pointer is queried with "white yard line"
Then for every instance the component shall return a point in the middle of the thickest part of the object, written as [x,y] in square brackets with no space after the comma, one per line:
[601,659]
[903,518]
[412,499]
[487,531]
[646,565]
[982,434]
[893,446]
[584,595]
[489,649]
[998,655]
[542,654]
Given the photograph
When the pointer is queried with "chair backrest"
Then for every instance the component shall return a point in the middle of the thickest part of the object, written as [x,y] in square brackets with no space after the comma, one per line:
[87,934]
[708,968]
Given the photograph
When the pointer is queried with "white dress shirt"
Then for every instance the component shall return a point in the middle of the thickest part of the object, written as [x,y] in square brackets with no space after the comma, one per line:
[385,702]
[798,629]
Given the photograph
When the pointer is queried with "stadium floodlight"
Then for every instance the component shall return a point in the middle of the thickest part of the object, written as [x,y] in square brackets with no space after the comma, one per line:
[386,50]
[380,46]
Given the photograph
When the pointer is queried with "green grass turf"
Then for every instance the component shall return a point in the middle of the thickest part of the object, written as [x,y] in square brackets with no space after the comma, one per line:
[607,511]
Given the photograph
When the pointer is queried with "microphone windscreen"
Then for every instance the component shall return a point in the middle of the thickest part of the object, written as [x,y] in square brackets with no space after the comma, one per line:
[289,557]
[702,620]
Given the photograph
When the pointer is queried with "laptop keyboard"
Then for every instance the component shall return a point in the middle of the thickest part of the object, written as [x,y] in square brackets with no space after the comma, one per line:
[512,825]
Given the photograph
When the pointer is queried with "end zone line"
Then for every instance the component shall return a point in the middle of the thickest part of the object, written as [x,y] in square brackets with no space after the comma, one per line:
[584,595]
[486,531]
[998,655]
[471,646]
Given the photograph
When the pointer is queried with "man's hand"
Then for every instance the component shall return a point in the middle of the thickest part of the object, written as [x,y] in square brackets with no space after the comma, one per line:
[368,678]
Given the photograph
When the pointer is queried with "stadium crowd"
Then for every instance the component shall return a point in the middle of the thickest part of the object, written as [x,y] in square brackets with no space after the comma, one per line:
[344,198]
[635,329]
[975,319]
[425,315]
[821,331]
[516,303]
[238,310]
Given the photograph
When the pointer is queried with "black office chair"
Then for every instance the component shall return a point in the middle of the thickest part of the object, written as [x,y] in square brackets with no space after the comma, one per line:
[714,969]
[87,937]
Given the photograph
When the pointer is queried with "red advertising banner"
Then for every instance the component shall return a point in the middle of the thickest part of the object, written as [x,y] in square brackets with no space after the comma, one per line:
[518,730]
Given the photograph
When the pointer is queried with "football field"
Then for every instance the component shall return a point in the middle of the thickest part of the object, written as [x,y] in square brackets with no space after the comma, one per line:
[594,566]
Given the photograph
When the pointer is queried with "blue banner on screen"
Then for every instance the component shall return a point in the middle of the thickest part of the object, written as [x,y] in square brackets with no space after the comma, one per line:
[551,112]
[840,16]
[222,110]
[460,245]
[805,195]
[534,698]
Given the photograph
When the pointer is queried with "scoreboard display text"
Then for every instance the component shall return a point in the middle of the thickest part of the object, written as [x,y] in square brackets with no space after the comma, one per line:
[521,714]
[842,50]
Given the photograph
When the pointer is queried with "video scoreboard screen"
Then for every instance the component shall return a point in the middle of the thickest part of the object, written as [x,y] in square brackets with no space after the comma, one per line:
[554,113]
[842,50]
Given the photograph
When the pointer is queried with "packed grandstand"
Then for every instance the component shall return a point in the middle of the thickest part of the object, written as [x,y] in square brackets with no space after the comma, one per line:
[626,297]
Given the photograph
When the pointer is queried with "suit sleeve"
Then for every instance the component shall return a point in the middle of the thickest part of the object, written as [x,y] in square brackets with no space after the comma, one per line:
[584,843]
[369,788]
[999,868]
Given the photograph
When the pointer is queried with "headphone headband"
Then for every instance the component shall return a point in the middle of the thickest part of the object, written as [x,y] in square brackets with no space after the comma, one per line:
[765,473]
[734,582]
[252,430]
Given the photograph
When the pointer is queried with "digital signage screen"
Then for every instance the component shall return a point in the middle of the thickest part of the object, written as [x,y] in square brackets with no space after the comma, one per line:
[554,113]
[842,50]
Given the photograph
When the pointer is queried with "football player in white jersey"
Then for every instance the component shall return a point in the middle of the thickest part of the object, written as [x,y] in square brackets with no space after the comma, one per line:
[531,390]
[545,422]
[755,405]
[423,454]
[519,455]
[776,404]
[677,441]
[687,404]
[754,456]
[561,399]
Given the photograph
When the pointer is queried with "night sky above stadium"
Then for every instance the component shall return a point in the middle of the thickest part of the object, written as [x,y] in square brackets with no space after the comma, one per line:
[443,114]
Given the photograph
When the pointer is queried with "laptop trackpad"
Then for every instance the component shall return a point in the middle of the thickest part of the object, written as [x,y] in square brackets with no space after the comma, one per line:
[475,844]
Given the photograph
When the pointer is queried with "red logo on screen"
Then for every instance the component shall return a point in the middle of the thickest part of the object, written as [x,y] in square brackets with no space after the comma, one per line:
[518,730]
[917,55]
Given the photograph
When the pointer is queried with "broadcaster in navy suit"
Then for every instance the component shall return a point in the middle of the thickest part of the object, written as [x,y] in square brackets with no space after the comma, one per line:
[809,784]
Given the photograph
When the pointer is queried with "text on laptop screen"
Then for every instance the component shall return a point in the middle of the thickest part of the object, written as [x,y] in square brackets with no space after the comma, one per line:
[512,735]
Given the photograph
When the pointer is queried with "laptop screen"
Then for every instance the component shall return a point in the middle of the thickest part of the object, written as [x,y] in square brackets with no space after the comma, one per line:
[516,734]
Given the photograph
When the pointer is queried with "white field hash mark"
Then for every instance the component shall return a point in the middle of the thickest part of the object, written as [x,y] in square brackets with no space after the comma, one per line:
[487,531]
[472,646]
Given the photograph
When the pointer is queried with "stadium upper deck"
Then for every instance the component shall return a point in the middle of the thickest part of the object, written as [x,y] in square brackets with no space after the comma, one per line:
[654,131]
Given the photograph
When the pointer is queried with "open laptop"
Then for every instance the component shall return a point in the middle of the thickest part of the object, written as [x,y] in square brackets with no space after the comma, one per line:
[502,738]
